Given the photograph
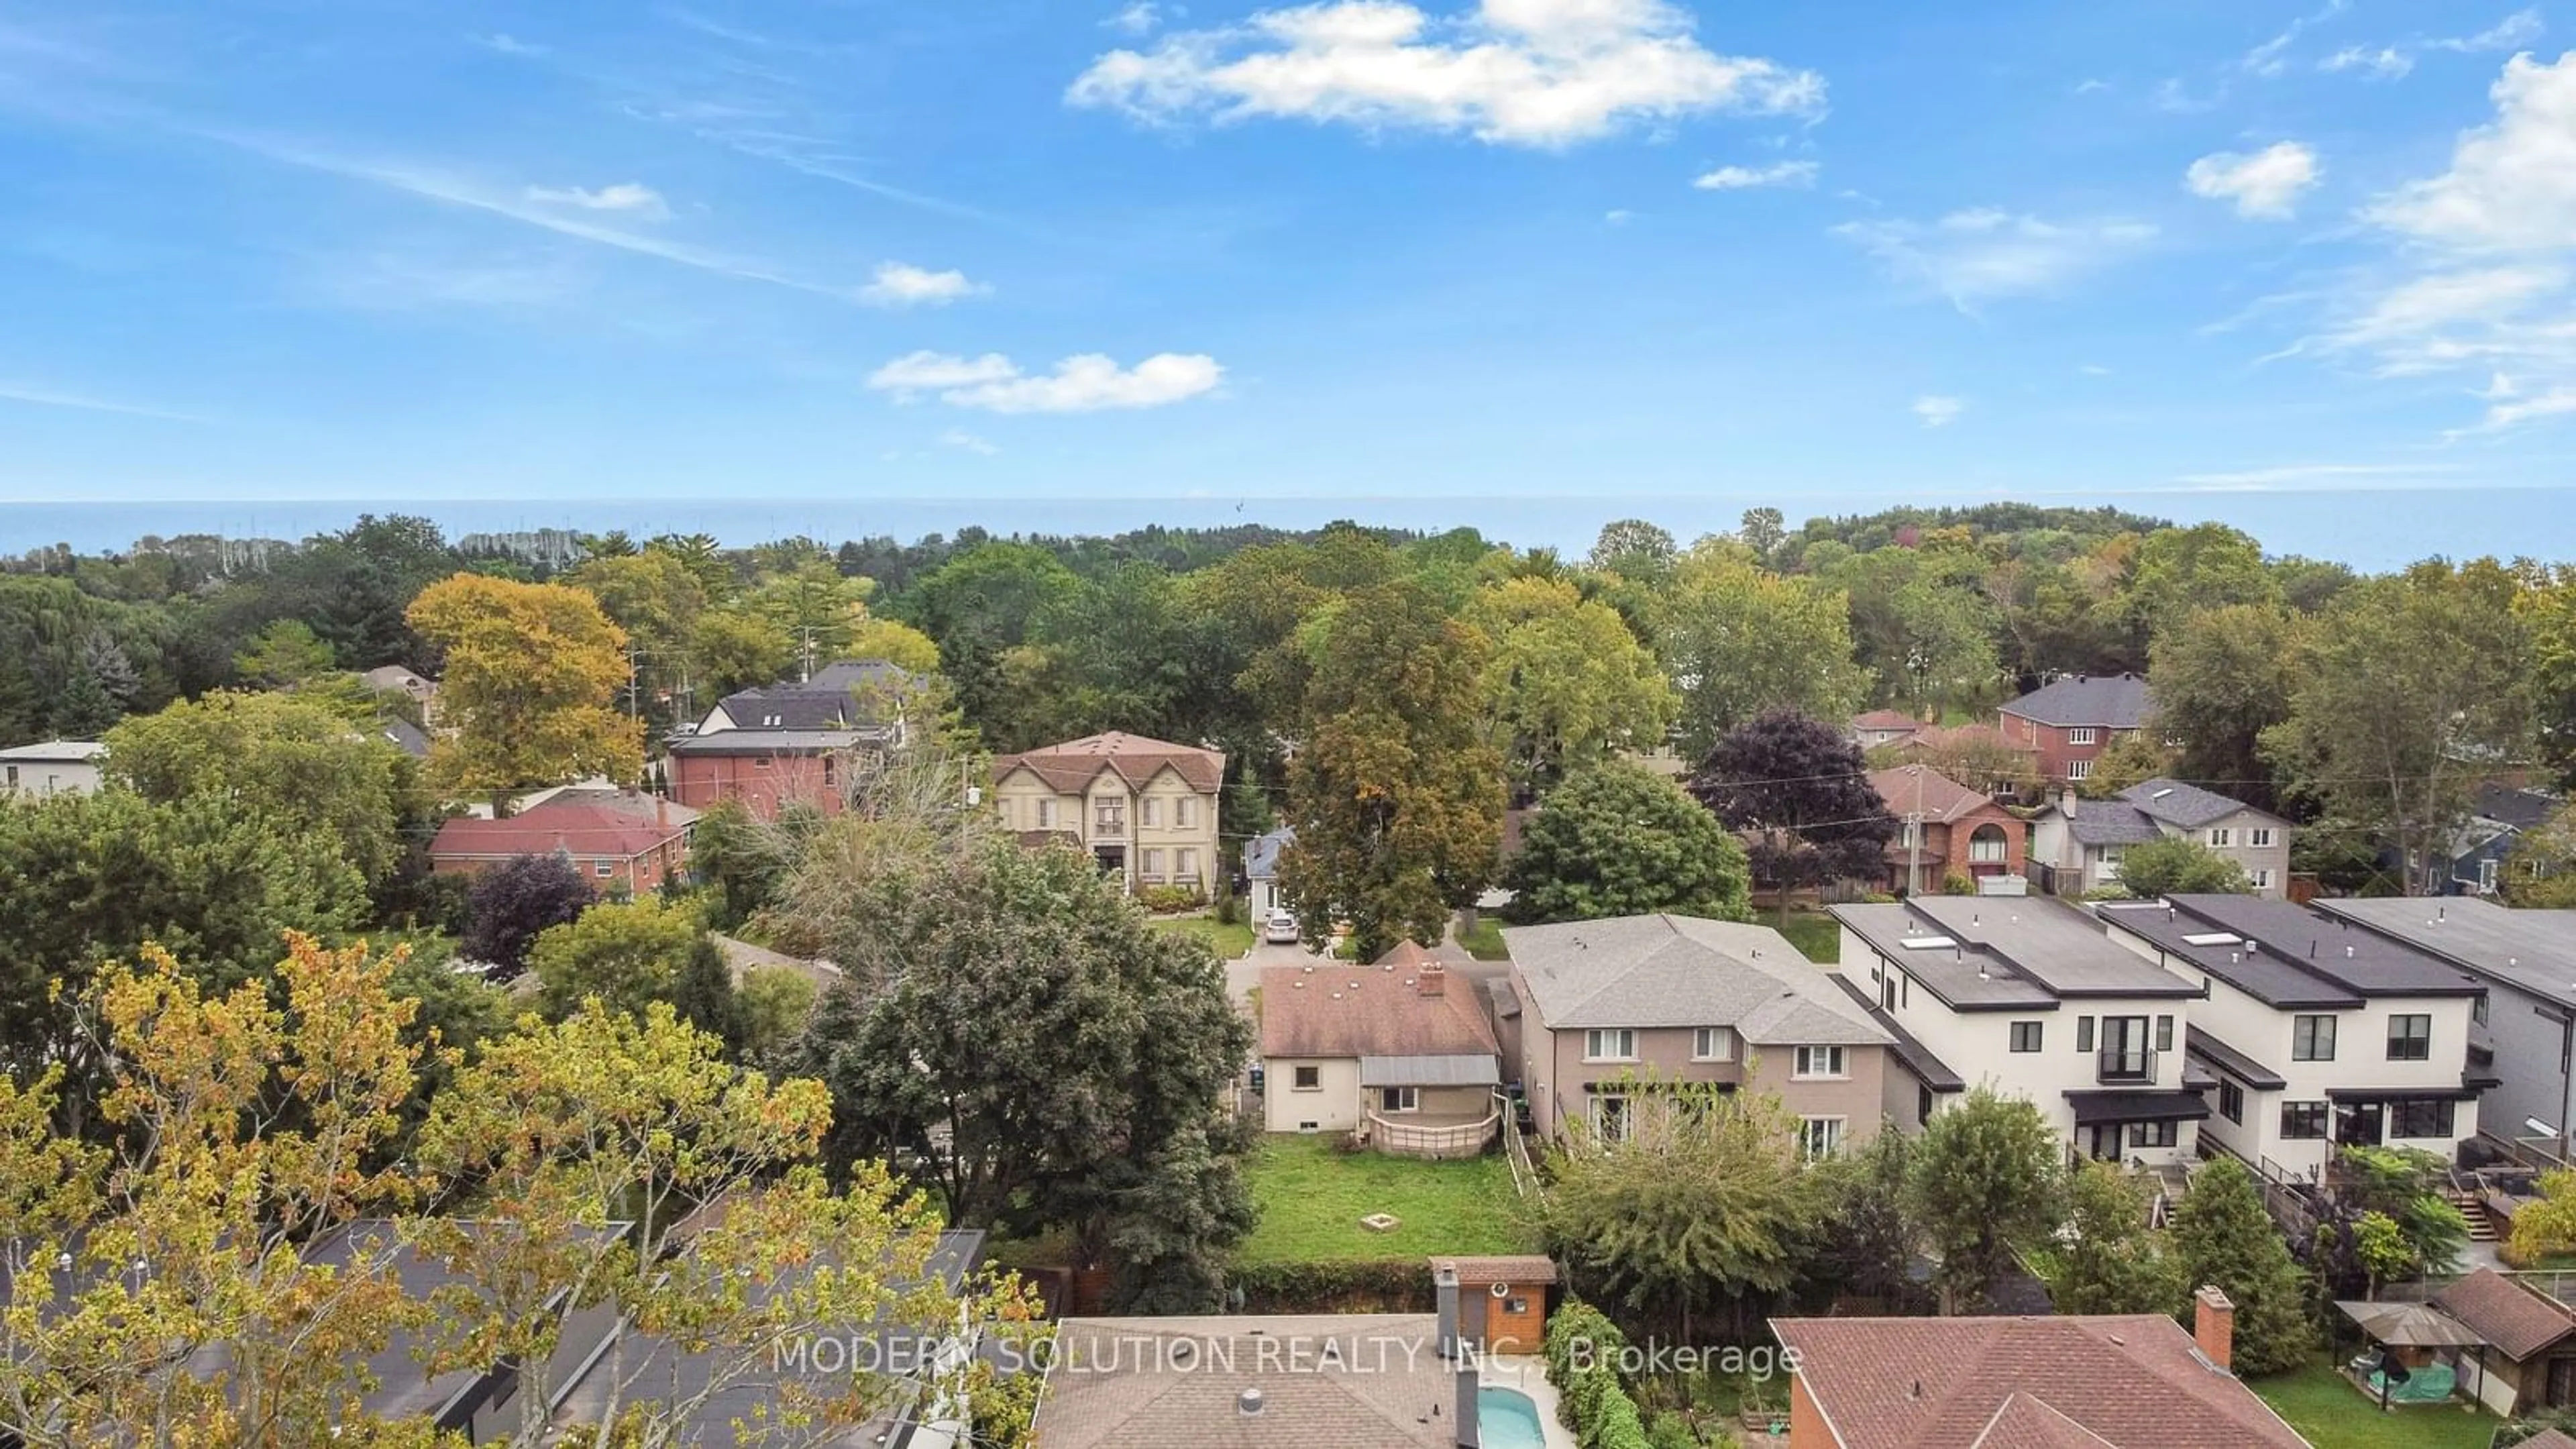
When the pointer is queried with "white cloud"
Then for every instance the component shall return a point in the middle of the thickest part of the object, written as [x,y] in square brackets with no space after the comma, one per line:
[1618,218]
[2511,185]
[1510,72]
[1089,383]
[1937,411]
[2385,63]
[46,397]
[1738,178]
[2511,33]
[2094,369]
[2090,84]
[629,197]
[2269,58]
[901,285]
[2265,184]
[511,45]
[1972,256]
[966,442]
[2337,476]
[1140,18]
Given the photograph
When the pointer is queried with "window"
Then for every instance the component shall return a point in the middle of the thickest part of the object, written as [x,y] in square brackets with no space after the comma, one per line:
[1002,813]
[13,777]
[604,869]
[2221,837]
[1153,862]
[2080,735]
[1821,1137]
[2259,837]
[2084,1033]
[1610,1118]
[1185,812]
[1818,1061]
[1046,815]
[2231,1102]
[1887,993]
[1189,864]
[1309,1079]
[2410,1038]
[2079,769]
[2487,875]
[2109,869]
[1149,812]
[2155,1134]
[2312,1038]
[1112,817]
[2262,879]
[760,762]
[2164,1033]
[2306,1120]
[1399,1099]
[1712,1044]
[2025,1035]
[1610,1045]
[828,770]
[2478,1009]
[2419,1117]
[1988,846]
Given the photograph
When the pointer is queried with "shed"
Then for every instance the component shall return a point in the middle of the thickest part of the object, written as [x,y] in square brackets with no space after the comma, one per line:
[1502,1302]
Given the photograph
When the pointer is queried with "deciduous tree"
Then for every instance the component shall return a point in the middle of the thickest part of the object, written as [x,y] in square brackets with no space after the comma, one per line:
[512,903]
[2107,1258]
[1802,785]
[531,673]
[623,954]
[1988,1184]
[1620,840]
[2223,676]
[2177,865]
[1740,641]
[1566,684]
[283,655]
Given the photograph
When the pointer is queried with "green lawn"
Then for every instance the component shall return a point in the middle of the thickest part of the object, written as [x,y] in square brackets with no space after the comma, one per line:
[1817,935]
[1485,942]
[1312,1199]
[1227,941]
[2322,1405]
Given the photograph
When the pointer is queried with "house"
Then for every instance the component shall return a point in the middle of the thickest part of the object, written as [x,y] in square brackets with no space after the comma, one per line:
[636,842]
[421,691]
[1310,1381]
[792,742]
[2079,843]
[1394,1051]
[56,767]
[2082,1381]
[2527,961]
[1601,1011]
[2529,1361]
[403,735]
[1949,830]
[2069,721]
[2033,999]
[2499,818]
[1884,727]
[2319,1035]
[1261,871]
[1145,809]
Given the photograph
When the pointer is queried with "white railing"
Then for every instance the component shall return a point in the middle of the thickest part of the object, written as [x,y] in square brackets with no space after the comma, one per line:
[1425,1139]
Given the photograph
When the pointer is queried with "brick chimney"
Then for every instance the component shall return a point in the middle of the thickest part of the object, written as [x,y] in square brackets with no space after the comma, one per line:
[1433,980]
[662,812]
[2213,1325]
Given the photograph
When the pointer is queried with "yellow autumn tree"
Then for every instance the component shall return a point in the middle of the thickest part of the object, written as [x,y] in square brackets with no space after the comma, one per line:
[532,676]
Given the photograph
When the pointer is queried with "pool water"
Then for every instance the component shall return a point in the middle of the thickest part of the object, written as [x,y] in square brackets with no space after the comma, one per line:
[1507,1419]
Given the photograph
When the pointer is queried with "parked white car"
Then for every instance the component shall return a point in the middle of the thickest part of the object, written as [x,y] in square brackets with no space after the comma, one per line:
[1280,929]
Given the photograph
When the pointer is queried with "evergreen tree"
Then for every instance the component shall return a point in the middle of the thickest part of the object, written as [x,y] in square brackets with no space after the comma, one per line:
[703,994]
[2224,1237]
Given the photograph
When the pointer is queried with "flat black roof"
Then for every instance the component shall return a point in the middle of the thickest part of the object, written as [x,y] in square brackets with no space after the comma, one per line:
[2287,955]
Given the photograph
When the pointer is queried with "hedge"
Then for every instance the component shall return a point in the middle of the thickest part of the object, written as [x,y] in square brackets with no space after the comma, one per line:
[1384,1285]
[1591,1399]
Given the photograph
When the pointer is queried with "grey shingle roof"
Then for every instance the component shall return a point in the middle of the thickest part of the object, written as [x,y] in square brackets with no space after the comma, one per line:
[2521,809]
[2111,822]
[1261,853]
[1174,1383]
[2187,806]
[832,699]
[775,742]
[1674,971]
[1448,1071]
[2109,701]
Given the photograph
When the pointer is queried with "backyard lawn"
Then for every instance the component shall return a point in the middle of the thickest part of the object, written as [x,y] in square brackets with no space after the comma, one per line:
[2322,1405]
[1312,1199]
[1817,935]
[1227,941]
[1485,941]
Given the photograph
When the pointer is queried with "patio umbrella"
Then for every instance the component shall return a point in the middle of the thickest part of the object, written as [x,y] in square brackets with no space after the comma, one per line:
[2410,1325]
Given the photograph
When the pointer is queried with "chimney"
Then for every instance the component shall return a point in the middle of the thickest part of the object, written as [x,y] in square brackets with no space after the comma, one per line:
[1468,1436]
[1444,1278]
[662,812]
[2213,1325]
[2066,802]
[1434,980]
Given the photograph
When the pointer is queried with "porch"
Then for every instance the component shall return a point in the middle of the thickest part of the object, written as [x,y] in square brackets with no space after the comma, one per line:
[1438,1136]
[1430,1106]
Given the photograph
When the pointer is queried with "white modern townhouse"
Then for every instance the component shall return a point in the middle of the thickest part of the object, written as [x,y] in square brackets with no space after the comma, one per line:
[2320,1034]
[2031,998]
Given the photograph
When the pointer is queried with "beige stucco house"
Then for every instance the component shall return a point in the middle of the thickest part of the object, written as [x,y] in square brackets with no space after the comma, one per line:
[1597,1011]
[1394,1051]
[1145,808]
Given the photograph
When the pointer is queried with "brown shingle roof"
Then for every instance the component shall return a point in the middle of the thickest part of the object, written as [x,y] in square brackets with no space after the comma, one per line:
[1484,1272]
[1319,1013]
[581,829]
[2549,1439]
[1072,766]
[1886,719]
[1909,788]
[2128,1382]
[2517,1321]
[1174,1383]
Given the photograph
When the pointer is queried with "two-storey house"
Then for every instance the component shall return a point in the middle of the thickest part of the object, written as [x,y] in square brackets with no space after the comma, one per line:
[792,742]
[2069,721]
[2031,998]
[2527,961]
[1599,1012]
[2080,843]
[2319,1035]
[1146,809]
[1946,830]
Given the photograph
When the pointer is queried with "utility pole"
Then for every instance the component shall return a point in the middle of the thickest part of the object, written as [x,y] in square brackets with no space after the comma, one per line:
[1914,839]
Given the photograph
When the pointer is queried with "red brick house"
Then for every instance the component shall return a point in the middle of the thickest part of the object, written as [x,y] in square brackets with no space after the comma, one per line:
[792,741]
[636,841]
[2069,721]
[1949,830]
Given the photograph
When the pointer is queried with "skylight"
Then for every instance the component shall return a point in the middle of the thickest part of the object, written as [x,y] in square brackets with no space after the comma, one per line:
[1928,943]
[2212,938]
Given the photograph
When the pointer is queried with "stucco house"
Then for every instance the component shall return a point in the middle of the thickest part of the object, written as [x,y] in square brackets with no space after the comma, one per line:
[1948,830]
[1396,1052]
[56,767]
[2070,720]
[1146,809]
[1602,1011]
[2079,843]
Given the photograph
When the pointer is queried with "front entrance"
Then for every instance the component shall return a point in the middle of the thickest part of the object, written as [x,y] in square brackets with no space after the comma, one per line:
[2358,1124]
[1113,860]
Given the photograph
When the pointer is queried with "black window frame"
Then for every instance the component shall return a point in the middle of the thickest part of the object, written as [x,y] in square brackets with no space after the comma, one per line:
[2320,1026]
[2028,1035]
[2083,1034]
[2296,1117]
[2167,1133]
[2437,1117]
[2231,1101]
[2164,1033]
[2418,1041]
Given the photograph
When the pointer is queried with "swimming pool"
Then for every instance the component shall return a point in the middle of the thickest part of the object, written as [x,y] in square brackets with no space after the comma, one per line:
[1507,1419]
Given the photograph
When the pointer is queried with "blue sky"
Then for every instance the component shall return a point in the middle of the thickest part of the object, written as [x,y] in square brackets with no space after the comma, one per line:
[425,249]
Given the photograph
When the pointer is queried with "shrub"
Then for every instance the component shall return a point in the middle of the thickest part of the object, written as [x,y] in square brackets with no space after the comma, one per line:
[1386,1285]
[1958,885]
[1583,1349]
[1164,900]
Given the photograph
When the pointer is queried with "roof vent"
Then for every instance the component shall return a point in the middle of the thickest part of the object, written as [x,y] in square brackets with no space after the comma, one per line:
[1248,1403]
[2160,794]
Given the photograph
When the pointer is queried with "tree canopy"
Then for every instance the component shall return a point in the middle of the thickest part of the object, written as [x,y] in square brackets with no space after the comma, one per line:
[1619,840]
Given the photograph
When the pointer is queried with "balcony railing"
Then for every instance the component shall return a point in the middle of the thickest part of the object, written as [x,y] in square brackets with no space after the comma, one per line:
[1107,827]
[2135,1066]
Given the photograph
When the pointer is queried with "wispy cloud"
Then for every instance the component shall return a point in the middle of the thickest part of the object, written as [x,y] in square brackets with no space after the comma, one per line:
[2395,62]
[1546,73]
[1088,383]
[1740,178]
[2385,63]
[1141,18]
[2511,33]
[1618,218]
[2271,57]
[632,198]
[1937,411]
[899,284]
[30,395]
[2299,476]
[2266,184]
[966,442]
[1978,255]
[505,44]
